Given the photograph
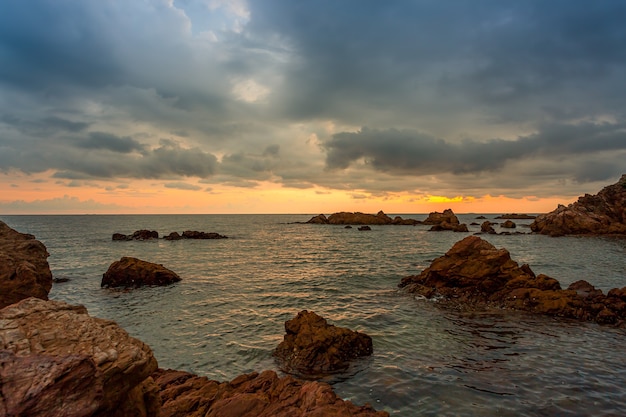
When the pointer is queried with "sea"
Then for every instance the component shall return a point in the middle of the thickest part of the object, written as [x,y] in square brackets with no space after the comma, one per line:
[227,314]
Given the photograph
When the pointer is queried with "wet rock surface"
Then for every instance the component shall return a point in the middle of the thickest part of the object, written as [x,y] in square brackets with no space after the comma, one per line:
[474,274]
[131,272]
[314,348]
[600,214]
[357,218]
[24,268]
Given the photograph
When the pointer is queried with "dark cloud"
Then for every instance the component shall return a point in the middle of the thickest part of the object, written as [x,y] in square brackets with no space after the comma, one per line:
[102,140]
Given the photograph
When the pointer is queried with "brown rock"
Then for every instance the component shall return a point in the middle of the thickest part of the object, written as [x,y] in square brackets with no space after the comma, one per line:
[319,219]
[509,224]
[173,236]
[137,235]
[59,361]
[133,273]
[473,273]
[487,227]
[252,395]
[193,234]
[358,218]
[516,216]
[438,218]
[364,228]
[603,213]
[312,347]
[24,269]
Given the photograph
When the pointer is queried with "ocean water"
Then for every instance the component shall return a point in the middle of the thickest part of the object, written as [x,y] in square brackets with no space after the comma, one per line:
[228,313]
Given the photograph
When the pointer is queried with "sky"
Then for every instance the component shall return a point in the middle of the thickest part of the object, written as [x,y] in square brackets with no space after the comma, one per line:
[282,106]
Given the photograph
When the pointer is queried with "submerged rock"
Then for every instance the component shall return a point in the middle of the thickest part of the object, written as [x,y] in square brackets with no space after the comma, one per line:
[312,347]
[516,216]
[56,360]
[473,273]
[600,214]
[252,395]
[131,272]
[24,268]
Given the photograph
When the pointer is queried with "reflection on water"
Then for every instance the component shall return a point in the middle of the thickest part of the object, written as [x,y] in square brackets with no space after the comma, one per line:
[228,313]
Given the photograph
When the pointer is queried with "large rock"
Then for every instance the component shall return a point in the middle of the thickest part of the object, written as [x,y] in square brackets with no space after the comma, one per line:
[252,395]
[600,214]
[24,269]
[56,360]
[474,274]
[358,218]
[143,234]
[447,216]
[193,234]
[131,272]
[312,347]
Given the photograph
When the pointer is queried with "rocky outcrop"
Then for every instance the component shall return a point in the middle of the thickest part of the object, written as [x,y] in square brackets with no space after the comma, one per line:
[358,218]
[445,221]
[252,395]
[311,347]
[137,235]
[133,273]
[600,214]
[474,274]
[193,234]
[487,227]
[509,224]
[56,360]
[516,216]
[24,269]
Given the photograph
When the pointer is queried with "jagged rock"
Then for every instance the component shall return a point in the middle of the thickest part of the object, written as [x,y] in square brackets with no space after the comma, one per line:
[319,219]
[137,235]
[600,214]
[193,234]
[133,273]
[312,347]
[474,273]
[447,216]
[56,360]
[252,395]
[24,269]
[358,218]
[509,224]
[487,227]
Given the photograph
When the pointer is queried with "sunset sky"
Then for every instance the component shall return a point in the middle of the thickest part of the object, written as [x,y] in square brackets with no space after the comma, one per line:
[283,106]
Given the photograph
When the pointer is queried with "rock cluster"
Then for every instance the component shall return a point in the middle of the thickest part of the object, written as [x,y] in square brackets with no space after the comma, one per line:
[24,269]
[358,218]
[131,272]
[473,273]
[252,395]
[137,235]
[152,234]
[600,214]
[57,360]
[445,221]
[311,347]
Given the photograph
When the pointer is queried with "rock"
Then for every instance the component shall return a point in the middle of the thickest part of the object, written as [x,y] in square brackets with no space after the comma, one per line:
[192,234]
[474,274]
[56,360]
[362,228]
[509,224]
[437,218]
[173,236]
[252,395]
[487,227]
[358,218]
[600,214]
[319,219]
[516,216]
[312,347]
[133,273]
[24,269]
[137,235]
[481,217]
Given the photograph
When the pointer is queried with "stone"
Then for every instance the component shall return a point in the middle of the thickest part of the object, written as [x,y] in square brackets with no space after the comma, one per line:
[600,214]
[487,227]
[131,272]
[509,224]
[137,235]
[357,218]
[56,360]
[24,268]
[319,219]
[173,236]
[475,274]
[364,228]
[447,216]
[516,216]
[312,347]
[193,234]
[252,395]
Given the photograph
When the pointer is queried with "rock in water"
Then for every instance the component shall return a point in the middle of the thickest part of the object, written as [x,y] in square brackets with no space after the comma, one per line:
[56,360]
[133,273]
[600,214]
[24,269]
[312,347]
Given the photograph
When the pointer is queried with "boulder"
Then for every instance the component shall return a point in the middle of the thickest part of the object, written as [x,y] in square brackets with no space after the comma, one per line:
[137,235]
[474,274]
[173,236]
[133,273]
[311,347]
[56,360]
[509,224]
[193,234]
[252,395]
[364,228]
[24,269]
[487,227]
[600,214]
[437,218]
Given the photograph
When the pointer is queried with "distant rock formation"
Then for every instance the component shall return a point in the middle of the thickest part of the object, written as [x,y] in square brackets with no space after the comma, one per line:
[24,268]
[137,235]
[252,395]
[131,272]
[444,221]
[57,360]
[600,214]
[473,273]
[192,234]
[509,224]
[312,347]
[357,218]
[487,227]
[516,216]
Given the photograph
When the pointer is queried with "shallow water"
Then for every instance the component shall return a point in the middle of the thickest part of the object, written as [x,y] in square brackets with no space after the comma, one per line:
[228,313]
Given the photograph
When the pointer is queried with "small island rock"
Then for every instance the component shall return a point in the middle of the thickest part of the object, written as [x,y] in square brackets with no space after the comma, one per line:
[131,272]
